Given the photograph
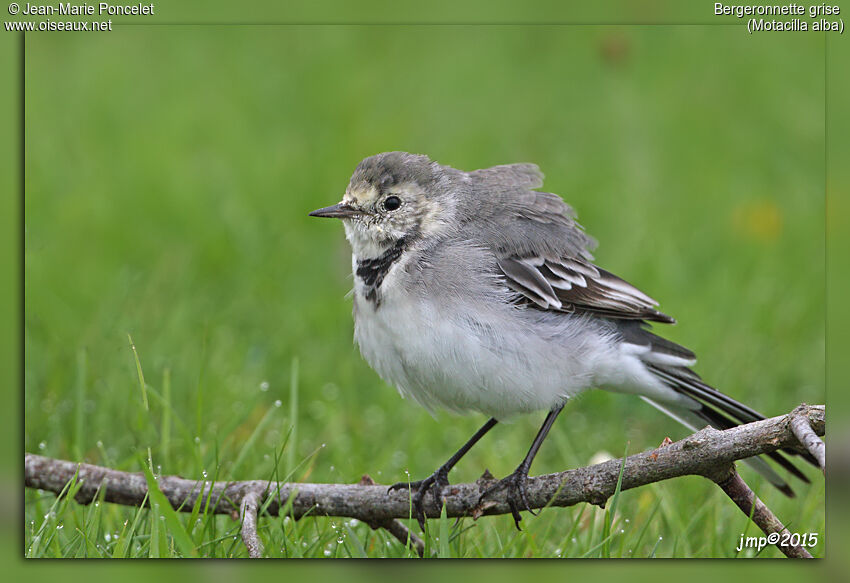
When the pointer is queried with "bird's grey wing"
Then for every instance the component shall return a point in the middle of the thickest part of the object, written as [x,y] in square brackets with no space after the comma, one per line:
[543,252]
[512,175]
[573,285]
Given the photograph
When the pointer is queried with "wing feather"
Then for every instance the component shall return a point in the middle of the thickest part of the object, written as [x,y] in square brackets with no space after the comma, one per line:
[571,284]
[543,253]
[529,278]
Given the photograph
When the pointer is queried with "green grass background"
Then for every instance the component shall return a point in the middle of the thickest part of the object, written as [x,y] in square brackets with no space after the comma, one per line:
[169,172]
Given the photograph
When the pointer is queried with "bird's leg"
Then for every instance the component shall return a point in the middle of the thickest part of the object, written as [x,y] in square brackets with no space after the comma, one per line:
[440,478]
[516,482]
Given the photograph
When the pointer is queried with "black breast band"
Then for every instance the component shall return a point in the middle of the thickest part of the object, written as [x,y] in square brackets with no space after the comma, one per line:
[373,271]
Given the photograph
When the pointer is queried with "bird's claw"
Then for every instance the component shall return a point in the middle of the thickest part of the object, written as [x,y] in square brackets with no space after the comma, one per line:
[515,493]
[437,481]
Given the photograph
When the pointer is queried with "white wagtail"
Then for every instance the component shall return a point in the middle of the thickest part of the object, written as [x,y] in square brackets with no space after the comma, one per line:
[475,292]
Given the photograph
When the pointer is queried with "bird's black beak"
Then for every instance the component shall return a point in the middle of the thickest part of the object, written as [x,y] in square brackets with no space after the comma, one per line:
[337,211]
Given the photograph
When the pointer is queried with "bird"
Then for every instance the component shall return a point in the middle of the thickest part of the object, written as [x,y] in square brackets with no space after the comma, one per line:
[476,292]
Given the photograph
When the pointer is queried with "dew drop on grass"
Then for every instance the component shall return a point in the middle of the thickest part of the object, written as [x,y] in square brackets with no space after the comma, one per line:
[278,403]
[197,439]
[327,552]
[42,445]
[204,474]
[264,386]
[353,522]
[60,526]
[107,537]
[340,540]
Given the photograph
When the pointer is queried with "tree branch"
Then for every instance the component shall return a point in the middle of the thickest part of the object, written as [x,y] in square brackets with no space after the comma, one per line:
[248,512]
[708,452]
[801,426]
[741,494]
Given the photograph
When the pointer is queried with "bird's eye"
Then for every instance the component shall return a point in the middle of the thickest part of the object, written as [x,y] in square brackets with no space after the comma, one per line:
[392,203]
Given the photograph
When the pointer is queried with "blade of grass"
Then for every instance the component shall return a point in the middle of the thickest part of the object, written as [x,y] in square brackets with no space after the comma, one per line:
[573,528]
[274,478]
[445,537]
[199,402]
[139,372]
[165,422]
[69,491]
[597,546]
[92,523]
[545,535]
[460,531]
[208,517]
[360,550]
[154,546]
[126,539]
[178,532]
[196,508]
[612,508]
[79,402]
[293,417]
[646,523]
[655,548]
[176,420]
[248,446]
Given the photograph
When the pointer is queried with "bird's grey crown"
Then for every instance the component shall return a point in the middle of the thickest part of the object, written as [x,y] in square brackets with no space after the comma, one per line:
[382,171]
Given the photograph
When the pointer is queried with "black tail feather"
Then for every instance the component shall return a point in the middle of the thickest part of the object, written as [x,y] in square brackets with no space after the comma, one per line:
[723,412]
[720,421]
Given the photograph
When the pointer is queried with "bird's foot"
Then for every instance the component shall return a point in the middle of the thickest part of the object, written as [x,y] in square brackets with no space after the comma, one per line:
[437,481]
[515,493]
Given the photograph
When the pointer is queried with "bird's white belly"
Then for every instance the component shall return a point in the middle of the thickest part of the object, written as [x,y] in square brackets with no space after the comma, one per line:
[446,357]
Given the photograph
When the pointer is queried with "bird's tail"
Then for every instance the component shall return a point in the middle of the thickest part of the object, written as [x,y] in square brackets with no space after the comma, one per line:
[722,412]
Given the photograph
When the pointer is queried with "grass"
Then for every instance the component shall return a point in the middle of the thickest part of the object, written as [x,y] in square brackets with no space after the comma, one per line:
[184,316]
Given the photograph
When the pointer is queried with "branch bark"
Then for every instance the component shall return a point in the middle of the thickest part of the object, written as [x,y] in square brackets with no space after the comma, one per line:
[248,512]
[741,494]
[803,431]
[708,452]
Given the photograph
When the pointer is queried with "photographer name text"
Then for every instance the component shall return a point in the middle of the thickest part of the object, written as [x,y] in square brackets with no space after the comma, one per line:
[99,9]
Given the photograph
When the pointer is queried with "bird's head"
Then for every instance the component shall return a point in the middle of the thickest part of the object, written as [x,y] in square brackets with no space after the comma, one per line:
[393,196]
